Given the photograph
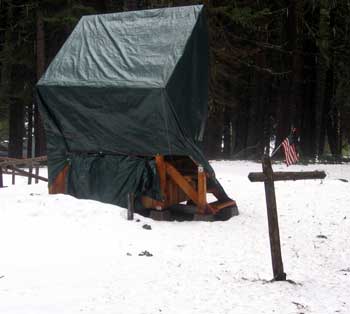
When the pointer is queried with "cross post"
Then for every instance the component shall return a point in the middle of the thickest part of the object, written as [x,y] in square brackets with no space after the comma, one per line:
[269,177]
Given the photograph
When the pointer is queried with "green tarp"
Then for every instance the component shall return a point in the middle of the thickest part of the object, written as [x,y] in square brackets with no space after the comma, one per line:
[123,88]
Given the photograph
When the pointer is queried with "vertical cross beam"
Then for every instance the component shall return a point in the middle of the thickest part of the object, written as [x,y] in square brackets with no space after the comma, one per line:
[275,245]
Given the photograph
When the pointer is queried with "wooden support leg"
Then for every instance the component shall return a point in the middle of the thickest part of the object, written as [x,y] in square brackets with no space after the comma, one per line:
[202,190]
[182,183]
[275,245]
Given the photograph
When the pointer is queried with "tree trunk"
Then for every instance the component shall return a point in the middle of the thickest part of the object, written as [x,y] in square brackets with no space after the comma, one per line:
[295,31]
[30,131]
[16,131]
[308,127]
[332,112]
[227,134]
[241,130]
[213,136]
[257,110]
[321,79]
[40,142]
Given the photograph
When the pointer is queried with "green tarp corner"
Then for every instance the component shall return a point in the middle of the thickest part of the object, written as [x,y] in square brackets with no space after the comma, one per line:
[123,88]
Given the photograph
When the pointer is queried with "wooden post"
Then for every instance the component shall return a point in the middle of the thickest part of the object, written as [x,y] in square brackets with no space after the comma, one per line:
[30,170]
[275,245]
[268,177]
[1,181]
[131,205]
[37,174]
[202,190]
[13,176]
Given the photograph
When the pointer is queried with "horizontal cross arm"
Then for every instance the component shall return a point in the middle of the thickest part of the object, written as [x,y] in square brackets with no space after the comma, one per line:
[287,175]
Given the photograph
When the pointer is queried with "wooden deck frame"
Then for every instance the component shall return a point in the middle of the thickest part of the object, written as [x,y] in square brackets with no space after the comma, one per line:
[193,187]
[175,187]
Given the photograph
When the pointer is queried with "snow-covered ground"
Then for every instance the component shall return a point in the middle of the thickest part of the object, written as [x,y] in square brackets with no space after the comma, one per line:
[63,255]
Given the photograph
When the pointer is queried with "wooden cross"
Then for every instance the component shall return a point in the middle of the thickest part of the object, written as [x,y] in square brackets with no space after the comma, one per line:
[268,177]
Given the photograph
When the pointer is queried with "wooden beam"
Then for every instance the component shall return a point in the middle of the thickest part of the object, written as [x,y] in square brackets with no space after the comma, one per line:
[182,182]
[216,206]
[202,190]
[288,175]
[16,162]
[27,174]
[275,245]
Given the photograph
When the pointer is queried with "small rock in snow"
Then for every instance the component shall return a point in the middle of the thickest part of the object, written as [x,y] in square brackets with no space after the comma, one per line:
[321,236]
[128,254]
[147,227]
[145,253]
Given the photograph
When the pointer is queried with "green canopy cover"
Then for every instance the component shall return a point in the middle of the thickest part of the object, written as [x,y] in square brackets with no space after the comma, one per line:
[123,88]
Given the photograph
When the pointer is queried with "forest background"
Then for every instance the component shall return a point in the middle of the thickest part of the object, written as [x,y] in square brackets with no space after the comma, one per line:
[274,65]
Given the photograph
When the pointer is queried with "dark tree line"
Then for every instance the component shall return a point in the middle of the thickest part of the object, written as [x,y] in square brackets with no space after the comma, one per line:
[280,63]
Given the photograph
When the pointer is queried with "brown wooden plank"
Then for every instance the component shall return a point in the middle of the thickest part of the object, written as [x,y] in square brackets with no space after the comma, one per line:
[216,206]
[202,190]
[275,245]
[287,175]
[182,182]
[149,202]
[59,184]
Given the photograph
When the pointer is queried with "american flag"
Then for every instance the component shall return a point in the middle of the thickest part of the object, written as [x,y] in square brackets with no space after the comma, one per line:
[289,148]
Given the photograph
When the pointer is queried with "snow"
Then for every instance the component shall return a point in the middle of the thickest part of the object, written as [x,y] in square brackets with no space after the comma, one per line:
[59,254]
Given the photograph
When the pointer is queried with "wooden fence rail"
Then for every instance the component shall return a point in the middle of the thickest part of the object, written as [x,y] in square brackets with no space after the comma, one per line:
[12,166]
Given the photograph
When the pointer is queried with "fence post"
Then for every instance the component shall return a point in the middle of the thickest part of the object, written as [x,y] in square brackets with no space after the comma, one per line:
[37,174]
[131,205]
[30,171]
[1,181]
[13,176]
